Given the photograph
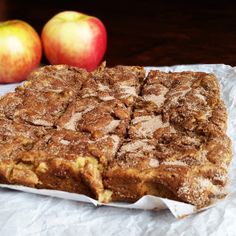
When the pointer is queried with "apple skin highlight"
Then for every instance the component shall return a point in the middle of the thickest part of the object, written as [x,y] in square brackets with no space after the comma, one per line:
[20,50]
[74,39]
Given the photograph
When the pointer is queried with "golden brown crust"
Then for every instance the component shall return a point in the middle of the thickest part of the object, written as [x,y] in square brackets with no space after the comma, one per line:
[65,138]
[110,132]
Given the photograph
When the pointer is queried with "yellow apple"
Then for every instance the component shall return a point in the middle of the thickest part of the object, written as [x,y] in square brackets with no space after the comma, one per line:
[20,50]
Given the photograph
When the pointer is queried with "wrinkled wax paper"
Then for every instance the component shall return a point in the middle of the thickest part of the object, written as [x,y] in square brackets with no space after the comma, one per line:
[34,213]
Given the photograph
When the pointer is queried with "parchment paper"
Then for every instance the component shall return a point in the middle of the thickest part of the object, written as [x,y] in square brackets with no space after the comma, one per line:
[30,214]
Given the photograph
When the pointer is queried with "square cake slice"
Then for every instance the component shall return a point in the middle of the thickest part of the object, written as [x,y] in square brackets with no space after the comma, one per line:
[176,146]
[96,117]
[120,82]
[44,97]
[62,160]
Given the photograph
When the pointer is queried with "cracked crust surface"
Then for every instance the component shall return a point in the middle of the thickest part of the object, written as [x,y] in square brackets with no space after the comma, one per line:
[176,139]
[113,135]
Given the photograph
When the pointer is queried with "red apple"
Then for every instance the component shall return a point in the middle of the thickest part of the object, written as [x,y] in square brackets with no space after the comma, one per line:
[20,50]
[75,39]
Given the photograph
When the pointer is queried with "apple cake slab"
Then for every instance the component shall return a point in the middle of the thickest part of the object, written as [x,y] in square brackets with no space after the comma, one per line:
[116,135]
